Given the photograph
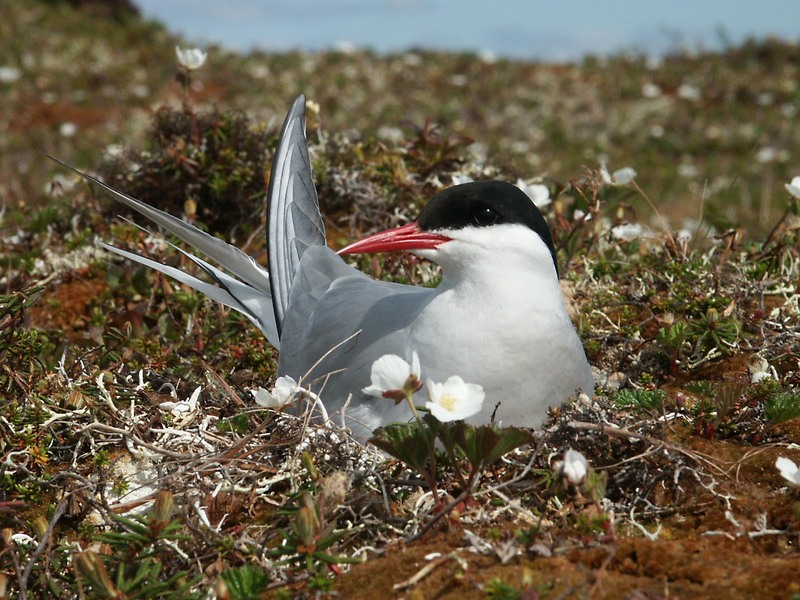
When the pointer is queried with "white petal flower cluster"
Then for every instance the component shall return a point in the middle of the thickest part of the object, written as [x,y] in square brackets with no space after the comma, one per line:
[394,378]
[191,58]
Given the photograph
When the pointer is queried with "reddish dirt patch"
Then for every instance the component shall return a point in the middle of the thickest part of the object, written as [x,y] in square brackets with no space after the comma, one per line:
[717,568]
[66,306]
[37,113]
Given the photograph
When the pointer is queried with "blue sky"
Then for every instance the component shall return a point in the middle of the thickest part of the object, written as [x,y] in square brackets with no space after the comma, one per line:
[539,29]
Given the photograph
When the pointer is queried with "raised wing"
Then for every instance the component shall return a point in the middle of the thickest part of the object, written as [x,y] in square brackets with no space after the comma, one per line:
[294,220]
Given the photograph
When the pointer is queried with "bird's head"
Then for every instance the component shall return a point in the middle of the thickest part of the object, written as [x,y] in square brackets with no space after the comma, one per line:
[468,223]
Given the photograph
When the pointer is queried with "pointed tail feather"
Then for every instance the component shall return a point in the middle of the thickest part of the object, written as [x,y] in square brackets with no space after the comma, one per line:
[231,258]
[253,303]
[251,296]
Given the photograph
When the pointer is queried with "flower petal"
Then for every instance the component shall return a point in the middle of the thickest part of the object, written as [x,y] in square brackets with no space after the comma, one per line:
[788,470]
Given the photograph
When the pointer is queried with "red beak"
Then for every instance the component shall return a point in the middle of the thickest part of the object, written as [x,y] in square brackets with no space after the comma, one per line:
[407,237]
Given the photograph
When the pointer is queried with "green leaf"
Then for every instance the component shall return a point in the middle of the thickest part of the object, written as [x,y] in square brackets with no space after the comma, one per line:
[486,443]
[407,442]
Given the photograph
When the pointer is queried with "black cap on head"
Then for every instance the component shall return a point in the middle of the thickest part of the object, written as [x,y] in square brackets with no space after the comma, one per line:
[483,204]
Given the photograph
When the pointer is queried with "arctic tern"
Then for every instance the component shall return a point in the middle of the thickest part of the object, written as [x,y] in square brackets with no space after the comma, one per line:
[497,318]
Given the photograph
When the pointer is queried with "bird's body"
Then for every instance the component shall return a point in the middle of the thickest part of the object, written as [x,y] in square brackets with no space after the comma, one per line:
[497,319]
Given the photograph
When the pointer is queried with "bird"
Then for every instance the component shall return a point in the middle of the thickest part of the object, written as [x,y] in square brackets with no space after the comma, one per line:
[497,318]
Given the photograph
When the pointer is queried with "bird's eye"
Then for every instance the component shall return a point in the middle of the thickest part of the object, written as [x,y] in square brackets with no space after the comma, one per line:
[486,216]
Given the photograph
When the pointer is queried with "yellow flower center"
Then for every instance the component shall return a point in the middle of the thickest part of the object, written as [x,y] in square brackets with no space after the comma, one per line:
[448,402]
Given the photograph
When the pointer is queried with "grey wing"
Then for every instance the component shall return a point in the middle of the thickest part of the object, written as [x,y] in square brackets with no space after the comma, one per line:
[340,321]
[295,223]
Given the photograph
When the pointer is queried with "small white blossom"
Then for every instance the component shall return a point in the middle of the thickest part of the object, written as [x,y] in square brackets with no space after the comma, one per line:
[574,468]
[391,374]
[537,192]
[283,393]
[651,90]
[9,74]
[454,399]
[22,539]
[767,154]
[312,107]
[345,47]
[688,170]
[191,58]
[794,187]
[60,184]
[765,99]
[68,129]
[619,177]
[788,470]
[760,369]
[627,231]
[689,92]
[113,151]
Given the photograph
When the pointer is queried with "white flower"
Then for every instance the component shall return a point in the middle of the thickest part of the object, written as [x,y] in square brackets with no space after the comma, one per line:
[537,192]
[312,107]
[789,470]
[689,92]
[390,376]
[59,184]
[627,231]
[651,90]
[283,393]
[794,187]
[22,539]
[620,177]
[9,74]
[760,369]
[575,467]
[767,154]
[687,170]
[191,58]
[68,129]
[454,399]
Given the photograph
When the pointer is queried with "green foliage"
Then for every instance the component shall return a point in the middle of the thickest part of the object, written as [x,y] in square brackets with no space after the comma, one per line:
[208,165]
[410,443]
[497,589]
[782,407]
[414,444]
[672,337]
[715,331]
[484,444]
[237,423]
[245,583]
[141,563]
[640,398]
